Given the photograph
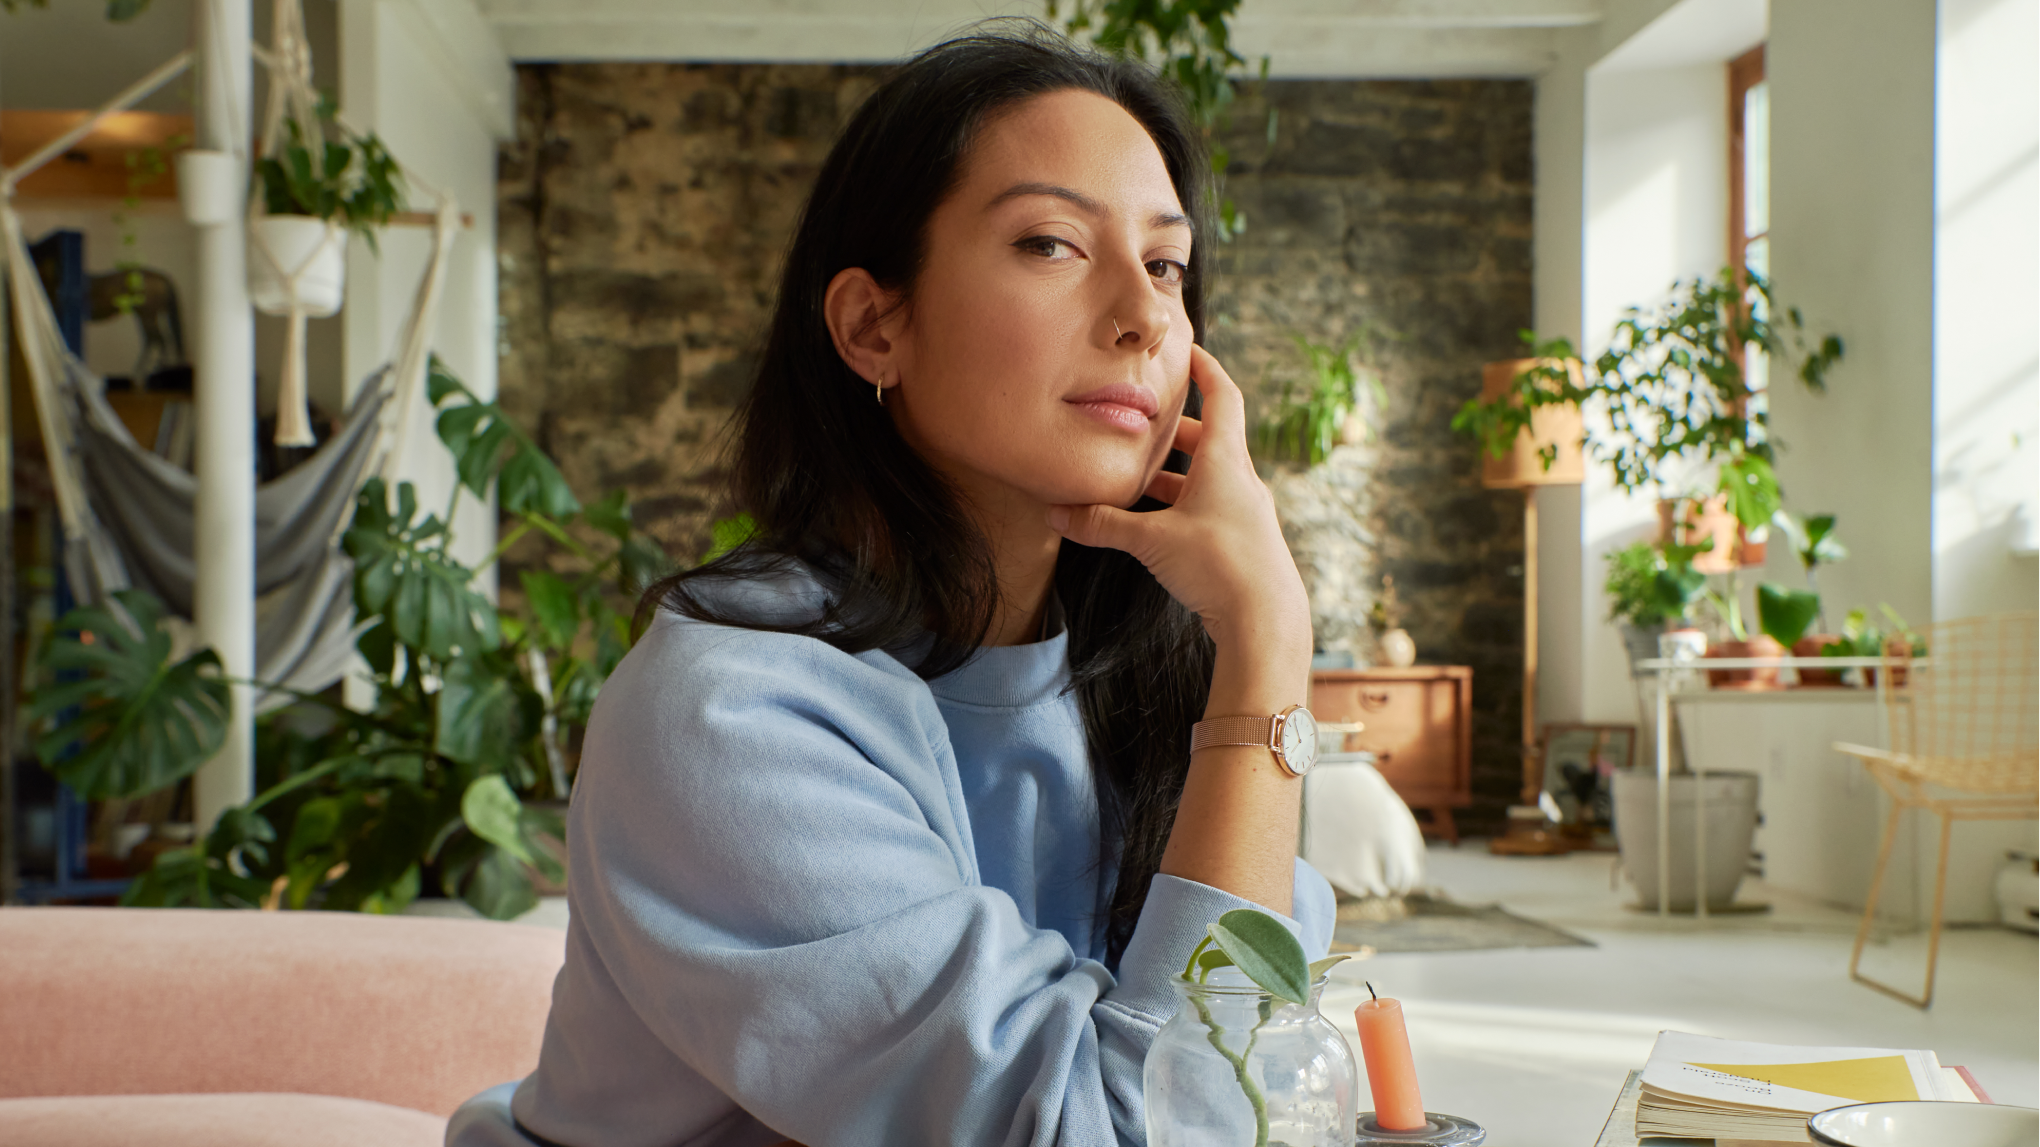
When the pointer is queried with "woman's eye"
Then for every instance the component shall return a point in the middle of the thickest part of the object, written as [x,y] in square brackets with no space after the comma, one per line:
[1167,271]
[1045,245]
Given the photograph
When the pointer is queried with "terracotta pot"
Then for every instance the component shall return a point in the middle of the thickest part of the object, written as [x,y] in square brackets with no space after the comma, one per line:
[1810,646]
[1690,521]
[1895,647]
[1751,679]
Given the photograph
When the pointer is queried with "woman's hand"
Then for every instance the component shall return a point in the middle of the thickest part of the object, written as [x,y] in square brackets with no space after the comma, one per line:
[1218,548]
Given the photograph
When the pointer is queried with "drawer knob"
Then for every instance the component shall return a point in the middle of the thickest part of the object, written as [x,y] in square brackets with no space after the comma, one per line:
[1374,700]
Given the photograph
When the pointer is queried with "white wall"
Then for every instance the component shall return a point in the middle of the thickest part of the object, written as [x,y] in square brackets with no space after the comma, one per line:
[1654,211]
[441,116]
[1852,217]
[1986,500]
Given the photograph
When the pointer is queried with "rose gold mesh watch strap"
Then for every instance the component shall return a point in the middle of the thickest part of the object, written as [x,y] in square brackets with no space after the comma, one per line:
[1256,731]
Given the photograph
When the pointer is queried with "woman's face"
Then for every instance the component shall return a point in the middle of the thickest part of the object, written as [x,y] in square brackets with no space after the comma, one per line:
[1044,356]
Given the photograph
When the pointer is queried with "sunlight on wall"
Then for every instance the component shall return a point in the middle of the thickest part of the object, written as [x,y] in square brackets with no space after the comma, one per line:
[1656,211]
[1986,300]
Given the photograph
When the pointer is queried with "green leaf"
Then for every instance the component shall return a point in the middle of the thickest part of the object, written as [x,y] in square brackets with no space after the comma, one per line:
[554,604]
[1752,489]
[1320,967]
[611,515]
[729,533]
[493,812]
[531,484]
[643,563]
[1785,613]
[440,383]
[500,887]
[137,722]
[1266,952]
[484,711]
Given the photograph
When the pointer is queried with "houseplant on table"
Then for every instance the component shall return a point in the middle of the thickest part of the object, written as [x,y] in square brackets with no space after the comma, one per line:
[1651,586]
[1786,614]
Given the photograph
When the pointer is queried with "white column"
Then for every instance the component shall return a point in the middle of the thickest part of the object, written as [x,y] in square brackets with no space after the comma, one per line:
[224,531]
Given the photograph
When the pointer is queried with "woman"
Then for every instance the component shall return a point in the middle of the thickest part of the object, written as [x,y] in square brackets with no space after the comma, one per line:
[889,829]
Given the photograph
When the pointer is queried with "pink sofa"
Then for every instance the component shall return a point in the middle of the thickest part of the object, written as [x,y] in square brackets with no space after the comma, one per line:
[124,1026]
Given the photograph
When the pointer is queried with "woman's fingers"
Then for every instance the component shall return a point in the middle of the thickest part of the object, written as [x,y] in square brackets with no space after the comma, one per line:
[1166,487]
[1104,527]
[1189,432]
[1225,408]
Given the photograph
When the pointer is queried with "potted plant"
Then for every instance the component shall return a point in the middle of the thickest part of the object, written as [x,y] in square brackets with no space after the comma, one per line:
[1650,586]
[1307,421]
[444,784]
[1814,544]
[1861,638]
[1247,1049]
[322,183]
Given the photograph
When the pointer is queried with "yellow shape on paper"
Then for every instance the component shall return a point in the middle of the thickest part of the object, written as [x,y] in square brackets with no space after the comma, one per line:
[1880,1079]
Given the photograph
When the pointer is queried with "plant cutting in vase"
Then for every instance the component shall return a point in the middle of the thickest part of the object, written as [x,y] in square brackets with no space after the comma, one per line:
[476,707]
[1265,952]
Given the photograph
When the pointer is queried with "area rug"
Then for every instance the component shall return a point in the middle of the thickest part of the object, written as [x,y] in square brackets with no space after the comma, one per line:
[1424,923]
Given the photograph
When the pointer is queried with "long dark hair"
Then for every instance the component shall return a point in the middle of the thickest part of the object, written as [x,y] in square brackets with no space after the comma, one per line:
[828,480]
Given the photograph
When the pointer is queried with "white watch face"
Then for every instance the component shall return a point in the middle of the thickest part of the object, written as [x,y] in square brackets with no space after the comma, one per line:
[1299,741]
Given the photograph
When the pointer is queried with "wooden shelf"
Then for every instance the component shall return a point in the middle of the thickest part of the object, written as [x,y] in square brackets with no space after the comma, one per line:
[96,167]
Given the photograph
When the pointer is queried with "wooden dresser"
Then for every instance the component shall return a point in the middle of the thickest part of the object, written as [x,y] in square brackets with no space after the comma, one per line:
[1419,728]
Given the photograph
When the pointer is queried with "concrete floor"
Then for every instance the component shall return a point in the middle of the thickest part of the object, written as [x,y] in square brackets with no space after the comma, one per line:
[1534,1043]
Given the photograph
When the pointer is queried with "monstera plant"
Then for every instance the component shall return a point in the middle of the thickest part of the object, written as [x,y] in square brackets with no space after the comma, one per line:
[444,779]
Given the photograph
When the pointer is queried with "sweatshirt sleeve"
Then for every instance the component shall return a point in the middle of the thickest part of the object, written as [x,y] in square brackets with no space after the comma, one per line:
[773,874]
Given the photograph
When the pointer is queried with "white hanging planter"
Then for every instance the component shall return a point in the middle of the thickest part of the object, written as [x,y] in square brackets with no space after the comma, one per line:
[296,263]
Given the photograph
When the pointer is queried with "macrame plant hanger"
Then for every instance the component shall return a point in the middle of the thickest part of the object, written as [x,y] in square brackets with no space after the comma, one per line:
[291,99]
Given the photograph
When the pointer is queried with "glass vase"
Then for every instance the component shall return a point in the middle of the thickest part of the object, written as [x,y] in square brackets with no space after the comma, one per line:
[1238,1067]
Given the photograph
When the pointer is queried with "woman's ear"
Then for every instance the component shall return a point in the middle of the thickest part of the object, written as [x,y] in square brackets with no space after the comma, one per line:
[864,321]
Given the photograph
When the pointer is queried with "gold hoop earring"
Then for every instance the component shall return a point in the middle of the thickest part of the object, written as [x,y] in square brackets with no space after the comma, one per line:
[879,388]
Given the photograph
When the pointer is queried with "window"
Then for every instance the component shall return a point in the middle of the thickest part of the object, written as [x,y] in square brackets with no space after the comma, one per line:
[1749,163]
[1749,188]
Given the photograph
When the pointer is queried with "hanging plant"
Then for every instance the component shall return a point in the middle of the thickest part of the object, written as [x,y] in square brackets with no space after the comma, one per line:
[328,172]
[1191,45]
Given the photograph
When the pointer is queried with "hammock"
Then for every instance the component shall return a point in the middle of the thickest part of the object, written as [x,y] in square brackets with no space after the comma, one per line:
[126,514]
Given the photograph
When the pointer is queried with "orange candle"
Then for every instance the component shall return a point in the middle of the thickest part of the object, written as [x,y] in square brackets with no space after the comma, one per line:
[1391,1073]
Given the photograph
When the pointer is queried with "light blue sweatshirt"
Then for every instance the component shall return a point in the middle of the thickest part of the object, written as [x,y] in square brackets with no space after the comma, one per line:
[816,897]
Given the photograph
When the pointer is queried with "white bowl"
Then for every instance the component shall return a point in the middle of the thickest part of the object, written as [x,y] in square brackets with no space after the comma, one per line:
[1920,1123]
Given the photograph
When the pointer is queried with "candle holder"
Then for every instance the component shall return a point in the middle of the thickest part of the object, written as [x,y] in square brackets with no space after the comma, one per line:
[1437,1131]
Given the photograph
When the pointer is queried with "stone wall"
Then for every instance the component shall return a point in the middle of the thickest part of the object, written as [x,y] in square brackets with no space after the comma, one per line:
[1398,212]
[645,207]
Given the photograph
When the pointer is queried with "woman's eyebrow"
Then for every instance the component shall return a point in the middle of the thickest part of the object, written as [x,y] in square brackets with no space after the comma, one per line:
[1082,202]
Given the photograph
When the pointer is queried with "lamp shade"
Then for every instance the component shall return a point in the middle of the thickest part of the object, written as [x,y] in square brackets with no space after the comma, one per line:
[1549,426]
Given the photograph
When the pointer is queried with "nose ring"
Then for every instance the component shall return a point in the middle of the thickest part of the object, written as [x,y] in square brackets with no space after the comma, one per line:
[1117,334]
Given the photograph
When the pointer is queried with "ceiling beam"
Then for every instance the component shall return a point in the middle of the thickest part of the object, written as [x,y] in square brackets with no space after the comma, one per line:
[1316,38]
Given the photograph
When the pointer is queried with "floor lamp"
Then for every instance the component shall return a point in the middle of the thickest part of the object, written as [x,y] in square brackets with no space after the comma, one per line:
[1523,468]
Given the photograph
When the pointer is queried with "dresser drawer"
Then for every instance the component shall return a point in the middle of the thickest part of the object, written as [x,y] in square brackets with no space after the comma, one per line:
[1416,728]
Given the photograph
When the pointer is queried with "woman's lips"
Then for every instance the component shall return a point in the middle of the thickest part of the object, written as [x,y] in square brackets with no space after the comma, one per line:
[1122,404]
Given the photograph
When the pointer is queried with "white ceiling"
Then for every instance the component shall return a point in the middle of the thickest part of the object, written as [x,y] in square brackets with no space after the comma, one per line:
[1327,38]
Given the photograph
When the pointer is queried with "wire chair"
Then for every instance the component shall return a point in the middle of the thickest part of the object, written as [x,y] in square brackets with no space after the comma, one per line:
[1965,720]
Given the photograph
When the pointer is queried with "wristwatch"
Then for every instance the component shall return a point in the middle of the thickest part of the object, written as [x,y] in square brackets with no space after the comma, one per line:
[1291,735]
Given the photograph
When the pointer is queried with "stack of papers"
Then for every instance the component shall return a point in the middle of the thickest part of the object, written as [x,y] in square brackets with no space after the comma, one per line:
[1704,1088]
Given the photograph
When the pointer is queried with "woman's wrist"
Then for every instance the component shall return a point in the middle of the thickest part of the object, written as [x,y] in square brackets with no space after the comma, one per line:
[1260,668]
